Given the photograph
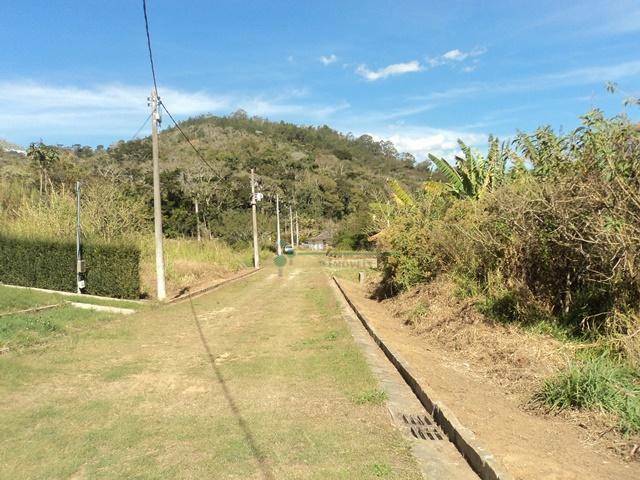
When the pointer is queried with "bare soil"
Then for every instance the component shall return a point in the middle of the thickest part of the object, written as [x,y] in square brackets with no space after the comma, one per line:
[485,374]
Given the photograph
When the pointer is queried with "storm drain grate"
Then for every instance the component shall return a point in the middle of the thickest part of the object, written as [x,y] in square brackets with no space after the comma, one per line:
[422,427]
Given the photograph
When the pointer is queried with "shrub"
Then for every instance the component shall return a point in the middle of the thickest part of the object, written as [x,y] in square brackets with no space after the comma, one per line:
[112,269]
[560,237]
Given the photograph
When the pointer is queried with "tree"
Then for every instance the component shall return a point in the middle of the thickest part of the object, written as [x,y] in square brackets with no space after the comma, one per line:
[43,158]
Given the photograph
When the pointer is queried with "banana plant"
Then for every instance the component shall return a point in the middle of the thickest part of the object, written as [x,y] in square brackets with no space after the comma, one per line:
[400,195]
[474,174]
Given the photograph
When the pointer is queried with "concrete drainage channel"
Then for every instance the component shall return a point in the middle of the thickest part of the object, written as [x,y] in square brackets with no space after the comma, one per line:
[434,423]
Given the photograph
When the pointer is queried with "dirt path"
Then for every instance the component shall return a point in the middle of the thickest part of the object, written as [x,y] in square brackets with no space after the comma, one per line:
[528,445]
[258,380]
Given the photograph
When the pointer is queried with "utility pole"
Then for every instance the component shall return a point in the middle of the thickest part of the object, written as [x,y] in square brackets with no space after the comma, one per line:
[80,284]
[291,224]
[197,219]
[278,244]
[297,232]
[254,219]
[157,211]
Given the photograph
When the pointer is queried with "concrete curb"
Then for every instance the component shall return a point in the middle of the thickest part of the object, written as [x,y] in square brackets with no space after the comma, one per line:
[32,310]
[103,308]
[75,294]
[202,291]
[480,460]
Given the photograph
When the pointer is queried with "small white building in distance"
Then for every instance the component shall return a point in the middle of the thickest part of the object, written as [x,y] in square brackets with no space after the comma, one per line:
[319,242]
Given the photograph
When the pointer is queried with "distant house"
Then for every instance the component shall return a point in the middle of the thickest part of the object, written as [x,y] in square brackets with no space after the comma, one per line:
[319,242]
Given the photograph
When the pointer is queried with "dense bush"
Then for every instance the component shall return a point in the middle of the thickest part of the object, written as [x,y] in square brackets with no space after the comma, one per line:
[554,239]
[560,232]
[112,269]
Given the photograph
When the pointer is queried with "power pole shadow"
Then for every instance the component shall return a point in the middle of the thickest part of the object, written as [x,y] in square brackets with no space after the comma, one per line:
[265,470]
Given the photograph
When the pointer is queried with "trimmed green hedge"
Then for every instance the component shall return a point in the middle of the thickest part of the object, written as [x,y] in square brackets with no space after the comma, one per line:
[112,270]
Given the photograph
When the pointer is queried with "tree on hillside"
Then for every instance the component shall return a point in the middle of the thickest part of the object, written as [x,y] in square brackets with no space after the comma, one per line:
[43,159]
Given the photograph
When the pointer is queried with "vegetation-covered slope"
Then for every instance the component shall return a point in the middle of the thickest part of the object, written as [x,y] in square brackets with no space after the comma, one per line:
[325,175]
[543,234]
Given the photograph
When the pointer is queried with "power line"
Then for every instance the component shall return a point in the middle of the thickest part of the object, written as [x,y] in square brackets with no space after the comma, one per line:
[187,139]
[155,86]
[141,127]
[146,26]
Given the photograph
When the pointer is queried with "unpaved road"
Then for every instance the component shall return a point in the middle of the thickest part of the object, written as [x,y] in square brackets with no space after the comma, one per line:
[260,379]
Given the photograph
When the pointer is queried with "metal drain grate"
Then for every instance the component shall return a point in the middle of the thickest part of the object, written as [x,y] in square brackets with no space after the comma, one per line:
[422,427]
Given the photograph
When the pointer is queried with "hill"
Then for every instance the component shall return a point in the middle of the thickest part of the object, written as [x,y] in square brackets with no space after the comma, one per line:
[327,176]
[7,146]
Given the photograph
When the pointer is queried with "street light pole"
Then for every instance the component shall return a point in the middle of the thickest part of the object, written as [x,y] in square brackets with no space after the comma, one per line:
[80,284]
[254,219]
[291,224]
[279,244]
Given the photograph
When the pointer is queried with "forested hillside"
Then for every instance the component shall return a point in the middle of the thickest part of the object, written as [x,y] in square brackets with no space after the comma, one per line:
[327,176]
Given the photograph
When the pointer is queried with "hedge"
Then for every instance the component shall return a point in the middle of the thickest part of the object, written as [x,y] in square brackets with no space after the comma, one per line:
[112,269]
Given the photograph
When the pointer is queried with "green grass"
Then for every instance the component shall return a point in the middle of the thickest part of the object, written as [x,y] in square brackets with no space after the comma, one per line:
[373,397]
[14,299]
[29,329]
[142,397]
[381,470]
[597,383]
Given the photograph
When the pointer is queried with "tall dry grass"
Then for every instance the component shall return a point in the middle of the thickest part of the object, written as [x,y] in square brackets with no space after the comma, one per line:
[189,263]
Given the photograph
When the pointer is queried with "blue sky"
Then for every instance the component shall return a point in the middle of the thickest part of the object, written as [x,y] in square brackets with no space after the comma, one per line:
[420,73]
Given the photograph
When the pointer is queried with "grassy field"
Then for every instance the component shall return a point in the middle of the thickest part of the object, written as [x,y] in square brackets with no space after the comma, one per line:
[28,329]
[259,380]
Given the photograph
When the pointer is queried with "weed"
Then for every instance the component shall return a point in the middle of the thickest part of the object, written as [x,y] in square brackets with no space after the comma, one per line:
[371,397]
[596,383]
[331,335]
[381,469]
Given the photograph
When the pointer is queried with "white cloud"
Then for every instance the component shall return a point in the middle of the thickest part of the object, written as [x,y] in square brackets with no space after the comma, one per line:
[420,141]
[455,55]
[29,110]
[394,69]
[328,59]
[593,75]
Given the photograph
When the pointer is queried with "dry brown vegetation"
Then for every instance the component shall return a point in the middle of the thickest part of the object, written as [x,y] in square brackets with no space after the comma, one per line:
[550,245]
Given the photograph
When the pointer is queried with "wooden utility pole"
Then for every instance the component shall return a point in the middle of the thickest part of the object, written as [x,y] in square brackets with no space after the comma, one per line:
[278,243]
[297,232]
[254,219]
[157,211]
[291,224]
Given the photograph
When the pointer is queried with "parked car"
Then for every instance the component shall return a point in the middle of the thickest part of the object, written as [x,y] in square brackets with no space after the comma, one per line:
[288,249]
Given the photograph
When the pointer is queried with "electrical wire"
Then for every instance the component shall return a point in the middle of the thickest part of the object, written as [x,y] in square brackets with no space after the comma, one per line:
[187,138]
[141,127]
[146,26]
[155,86]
